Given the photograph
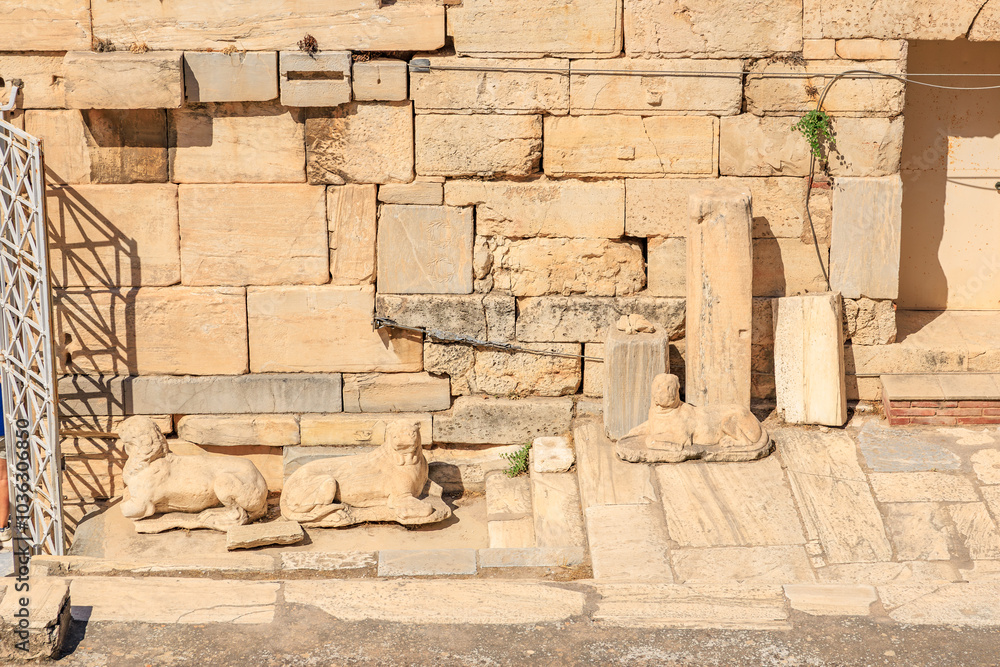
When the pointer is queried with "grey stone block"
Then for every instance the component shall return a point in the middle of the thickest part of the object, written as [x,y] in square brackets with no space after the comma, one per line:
[296,456]
[552,319]
[489,317]
[480,420]
[263,393]
[423,562]
[88,396]
[867,223]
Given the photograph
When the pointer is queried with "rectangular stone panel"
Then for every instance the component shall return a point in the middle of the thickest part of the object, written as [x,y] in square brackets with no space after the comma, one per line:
[666,267]
[123,80]
[113,235]
[235,394]
[320,79]
[788,267]
[604,478]
[500,421]
[503,373]
[360,143]
[426,192]
[558,518]
[586,319]
[59,25]
[542,207]
[102,145]
[465,315]
[216,24]
[478,145]
[629,145]
[278,232]
[888,19]
[459,88]
[42,74]
[853,94]
[750,145]
[558,27]
[628,543]
[237,143]
[651,86]
[425,250]
[324,329]
[239,430]
[231,77]
[380,79]
[351,211]
[592,267]
[395,392]
[868,209]
[631,362]
[82,398]
[363,430]
[742,565]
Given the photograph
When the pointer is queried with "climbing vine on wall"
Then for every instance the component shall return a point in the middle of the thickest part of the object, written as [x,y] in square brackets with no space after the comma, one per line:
[816,128]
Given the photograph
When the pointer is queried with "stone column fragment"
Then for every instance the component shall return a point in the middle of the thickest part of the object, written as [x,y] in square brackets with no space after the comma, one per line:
[719,298]
[809,359]
[631,361]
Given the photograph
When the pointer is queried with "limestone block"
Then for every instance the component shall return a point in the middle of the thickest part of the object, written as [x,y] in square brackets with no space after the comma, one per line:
[742,565]
[832,599]
[61,25]
[458,88]
[320,79]
[631,361]
[237,143]
[809,359]
[39,627]
[395,392]
[351,213]
[592,267]
[236,394]
[329,562]
[821,210]
[820,49]
[425,250]
[667,267]
[464,469]
[552,454]
[507,498]
[542,207]
[986,464]
[284,243]
[585,319]
[427,193]
[487,27]
[478,145]
[750,145]
[357,429]
[123,80]
[42,76]
[922,487]
[263,534]
[324,329]
[867,222]
[513,534]
[113,235]
[91,395]
[629,145]
[490,317]
[871,49]
[593,370]
[499,421]
[239,430]
[336,24]
[503,373]
[101,145]
[230,77]
[604,478]
[868,322]
[853,94]
[787,267]
[867,146]
[556,507]
[716,94]
[360,143]
[380,79]
[986,26]
[889,19]
[719,314]
[628,542]
[454,361]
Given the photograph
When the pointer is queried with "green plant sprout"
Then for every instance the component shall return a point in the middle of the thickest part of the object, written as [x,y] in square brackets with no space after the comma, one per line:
[518,460]
[815,127]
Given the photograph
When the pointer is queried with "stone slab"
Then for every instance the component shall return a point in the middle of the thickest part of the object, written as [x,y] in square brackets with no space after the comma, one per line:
[351,212]
[428,562]
[831,599]
[468,315]
[739,565]
[42,76]
[62,25]
[854,94]
[231,77]
[425,250]
[556,502]
[236,394]
[124,80]
[889,449]
[321,79]
[963,604]
[752,145]
[870,209]
[92,395]
[586,319]
[628,543]
[666,267]
[239,430]
[426,193]
[591,267]
[328,561]
[915,487]
[395,392]
[360,142]
[263,534]
[605,479]
[888,20]
[631,362]
[986,464]
[380,79]
[499,421]
[511,374]
[43,631]
[198,565]
[481,85]
[976,530]
[553,454]
[919,531]
[356,429]
[477,145]
[512,533]
[464,470]
[887,573]
[507,497]
[560,557]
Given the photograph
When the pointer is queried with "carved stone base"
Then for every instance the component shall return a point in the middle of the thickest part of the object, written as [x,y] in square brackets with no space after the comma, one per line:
[349,516]
[637,449]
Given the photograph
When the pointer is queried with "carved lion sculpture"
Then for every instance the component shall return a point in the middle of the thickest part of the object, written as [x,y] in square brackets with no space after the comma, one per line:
[677,431]
[160,482]
[383,485]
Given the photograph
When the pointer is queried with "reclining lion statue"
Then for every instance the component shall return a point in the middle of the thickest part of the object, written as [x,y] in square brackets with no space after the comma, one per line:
[678,431]
[216,492]
[382,485]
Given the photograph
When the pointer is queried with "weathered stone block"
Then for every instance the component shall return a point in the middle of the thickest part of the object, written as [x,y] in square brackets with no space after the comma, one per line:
[542,207]
[871,49]
[586,319]
[351,212]
[381,79]
[480,420]
[492,27]
[285,242]
[868,322]
[102,145]
[809,359]
[490,316]
[425,250]
[271,393]
[237,143]
[889,19]
[395,392]
[750,145]
[507,497]
[667,267]
[867,146]
[263,534]
[631,362]
[230,77]
[113,235]
[628,542]
[360,143]
[455,361]
[719,313]
[503,373]
[366,430]
[853,94]
[471,91]
[593,267]
[124,80]
[44,618]
[787,267]
[819,49]
[464,469]
[593,371]
[478,145]
[511,534]
[320,79]
[748,28]
[629,145]
[715,93]
[336,24]
[427,193]
[552,454]
[239,430]
[61,25]
[324,329]
[556,507]
[867,222]
[87,396]
[42,74]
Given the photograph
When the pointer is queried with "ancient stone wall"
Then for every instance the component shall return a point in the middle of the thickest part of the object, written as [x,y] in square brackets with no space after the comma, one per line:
[228,212]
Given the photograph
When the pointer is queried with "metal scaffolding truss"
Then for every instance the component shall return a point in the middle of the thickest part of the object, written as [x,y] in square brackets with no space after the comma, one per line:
[28,372]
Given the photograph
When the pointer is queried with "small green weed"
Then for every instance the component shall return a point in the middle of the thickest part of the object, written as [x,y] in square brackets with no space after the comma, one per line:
[518,461]
[815,127]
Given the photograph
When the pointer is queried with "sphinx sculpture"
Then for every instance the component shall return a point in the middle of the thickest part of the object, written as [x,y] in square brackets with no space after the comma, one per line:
[165,491]
[383,485]
[677,431]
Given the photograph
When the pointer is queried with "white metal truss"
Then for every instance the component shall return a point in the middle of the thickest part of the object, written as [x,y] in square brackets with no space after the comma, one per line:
[28,370]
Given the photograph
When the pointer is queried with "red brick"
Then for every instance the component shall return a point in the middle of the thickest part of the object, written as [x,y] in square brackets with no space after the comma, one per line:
[960,412]
[925,404]
[991,412]
[914,412]
[899,421]
[979,420]
[979,404]
[899,404]
[938,421]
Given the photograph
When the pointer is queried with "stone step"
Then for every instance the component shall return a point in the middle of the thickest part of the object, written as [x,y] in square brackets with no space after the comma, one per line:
[508,511]
[556,503]
[941,399]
